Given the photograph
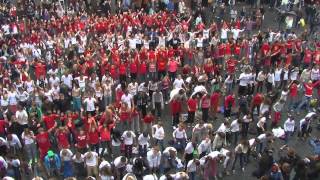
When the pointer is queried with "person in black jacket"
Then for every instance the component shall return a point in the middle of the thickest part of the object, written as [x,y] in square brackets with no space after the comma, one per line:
[264,164]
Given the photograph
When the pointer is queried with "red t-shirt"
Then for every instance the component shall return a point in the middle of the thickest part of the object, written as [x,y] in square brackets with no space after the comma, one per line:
[105,134]
[148,119]
[62,138]
[49,120]
[133,67]
[93,137]
[257,99]
[175,106]
[215,99]
[143,68]
[192,105]
[229,101]
[43,140]
[294,90]
[3,125]
[81,141]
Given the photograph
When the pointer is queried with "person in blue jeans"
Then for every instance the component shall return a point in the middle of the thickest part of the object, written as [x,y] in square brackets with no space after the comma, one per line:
[52,163]
[66,158]
[315,143]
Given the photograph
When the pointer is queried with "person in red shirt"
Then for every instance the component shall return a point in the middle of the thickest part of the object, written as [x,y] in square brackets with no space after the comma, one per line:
[93,138]
[62,135]
[256,102]
[147,122]
[175,110]
[50,120]
[43,142]
[192,107]
[142,71]
[125,120]
[293,95]
[229,102]
[307,58]
[82,141]
[231,65]
[105,136]
[133,69]
[215,101]
[3,126]
[205,105]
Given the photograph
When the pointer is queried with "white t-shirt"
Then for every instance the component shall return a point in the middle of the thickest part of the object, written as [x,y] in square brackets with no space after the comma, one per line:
[67,80]
[128,140]
[143,140]
[158,132]
[235,126]
[189,148]
[127,99]
[179,134]
[90,104]
[178,83]
[244,79]
[93,161]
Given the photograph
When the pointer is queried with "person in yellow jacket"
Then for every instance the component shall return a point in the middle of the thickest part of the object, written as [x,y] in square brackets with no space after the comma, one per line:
[302,23]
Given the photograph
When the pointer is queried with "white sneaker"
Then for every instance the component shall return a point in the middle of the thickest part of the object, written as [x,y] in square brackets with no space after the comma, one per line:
[233,171]
[242,169]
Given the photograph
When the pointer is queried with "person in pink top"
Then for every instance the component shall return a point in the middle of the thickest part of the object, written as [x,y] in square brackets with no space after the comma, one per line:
[172,68]
[205,105]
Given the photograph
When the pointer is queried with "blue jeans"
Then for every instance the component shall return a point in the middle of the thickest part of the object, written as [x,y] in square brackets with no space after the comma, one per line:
[192,175]
[160,143]
[76,103]
[305,102]
[238,156]
[288,135]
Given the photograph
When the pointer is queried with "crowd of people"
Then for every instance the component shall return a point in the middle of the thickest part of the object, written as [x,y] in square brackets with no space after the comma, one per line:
[136,90]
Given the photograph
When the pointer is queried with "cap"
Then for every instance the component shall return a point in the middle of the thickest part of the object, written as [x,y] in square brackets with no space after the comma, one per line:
[50,153]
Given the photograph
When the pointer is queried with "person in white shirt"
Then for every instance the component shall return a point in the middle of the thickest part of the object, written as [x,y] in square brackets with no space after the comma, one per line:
[22,117]
[120,165]
[262,139]
[28,140]
[91,160]
[14,143]
[133,88]
[204,147]
[236,32]
[261,125]
[23,96]
[67,79]
[128,138]
[158,135]
[169,159]
[78,162]
[192,167]
[105,171]
[235,129]
[189,151]
[178,83]
[54,80]
[127,98]
[180,137]
[289,127]
[90,105]
[240,151]
[244,80]
[304,127]
[143,141]
[154,159]
[66,160]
